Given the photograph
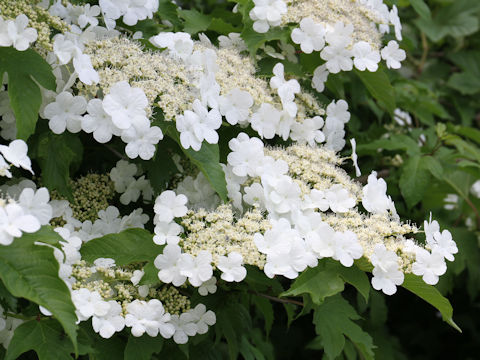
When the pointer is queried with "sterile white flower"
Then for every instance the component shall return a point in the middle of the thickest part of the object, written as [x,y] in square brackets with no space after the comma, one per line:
[320,75]
[339,35]
[141,139]
[286,89]
[198,269]
[338,58]
[208,287]
[308,131]
[267,13]
[124,104]
[135,188]
[17,34]
[235,106]
[168,205]
[36,203]
[84,68]
[443,243]
[282,194]
[429,265]
[89,303]
[375,199]
[184,327]
[111,322]
[166,232]
[255,195]
[137,276]
[168,264]
[13,221]
[122,175]
[310,36]
[402,118]
[265,120]
[365,58]
[198,125]
[387,280]
[98,122]
[233,40]
[430,228]
[322,240]
[66,113]
[149,317]
[203,318]
[393,55]
[246,155]
[89,15]
[347,248]
[16,154]
[231,267]
[339,199]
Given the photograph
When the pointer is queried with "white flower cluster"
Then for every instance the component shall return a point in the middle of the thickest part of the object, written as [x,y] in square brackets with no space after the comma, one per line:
[123,177]
[16,33]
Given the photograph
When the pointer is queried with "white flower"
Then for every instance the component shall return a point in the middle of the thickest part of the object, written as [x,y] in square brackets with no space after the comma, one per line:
[235,106]
[66,113]
[475,189]
[339,199]
[393,55]
[322,240]
[310,36]
[208,287]
[337,112]
[98,122]
[276,239]
[108,221]
[443,243]
[137,276]
[233,40]
[267,13]
[110,323]
[168,264]
[168,205]
[134,188]
[387,280]
[429,265]
[89,15]
[36,203]
[199,192]
[198,269]
[246,155]
[286,89]
[282,194]
[124,103]
[65,48]
[395,21]
[89,303]
[340,34]
[16,154]
[430,228]
[209,91]
[347,248]
[149,317]
[122,175]
[179,44]
[198,125]
[320,75]
[402,117]
[308,131]
[16,33]
[13,221]
[203,318]
[255,195]
[451,201]
[315,200]
[139,10]
[231,267]
[338,58]
[375,199]
[84,68]
[355,157]
[141,140]
[265,120]
[166,232]
[365,57]
[184,327]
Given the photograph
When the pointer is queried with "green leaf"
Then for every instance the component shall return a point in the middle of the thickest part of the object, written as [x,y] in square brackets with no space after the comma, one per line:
[333,322]
[207,159]
[131,245]
[143,347]
[55,154]
[45,337]
[161,169]
[468,81]
[434,166]
[378,84]
[431,295]
[195,21]
[327,279]
[31,271]
[394,142]
[414,180]
[421,8]
[222,27]
[254,40]
[266,309]
[168,10]
[25,69]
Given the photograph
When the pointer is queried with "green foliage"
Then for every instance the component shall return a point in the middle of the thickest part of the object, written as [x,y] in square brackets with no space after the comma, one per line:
[55,155]
[379,86]
[131,245]
[25,69]
[31,271]
[333,323]
[143,347]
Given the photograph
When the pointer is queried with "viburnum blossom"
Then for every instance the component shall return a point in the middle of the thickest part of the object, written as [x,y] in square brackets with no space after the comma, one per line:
[320,75]
[198,125]
[198,269]
[265,120]
[98,122]
[170,266]
[179,44]
[148,317]
[364,57]
[429,265]
[375,199]
[267,13]
[231,267]
[393,55]
[16,154]
[13,221]
[347,248]
[15,33]
[168,205]
[339,199]
[235,106]
[141,139]
[246,155]
[308,131]
[310,36]
[286,89]
[66,113]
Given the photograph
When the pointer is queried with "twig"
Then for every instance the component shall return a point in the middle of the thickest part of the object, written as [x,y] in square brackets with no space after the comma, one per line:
[115,151]
[276,299]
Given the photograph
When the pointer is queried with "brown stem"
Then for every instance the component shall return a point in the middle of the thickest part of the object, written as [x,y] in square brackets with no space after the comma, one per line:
[276,299]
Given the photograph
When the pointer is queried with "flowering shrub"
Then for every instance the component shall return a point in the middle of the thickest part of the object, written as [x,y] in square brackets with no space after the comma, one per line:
[171,176]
